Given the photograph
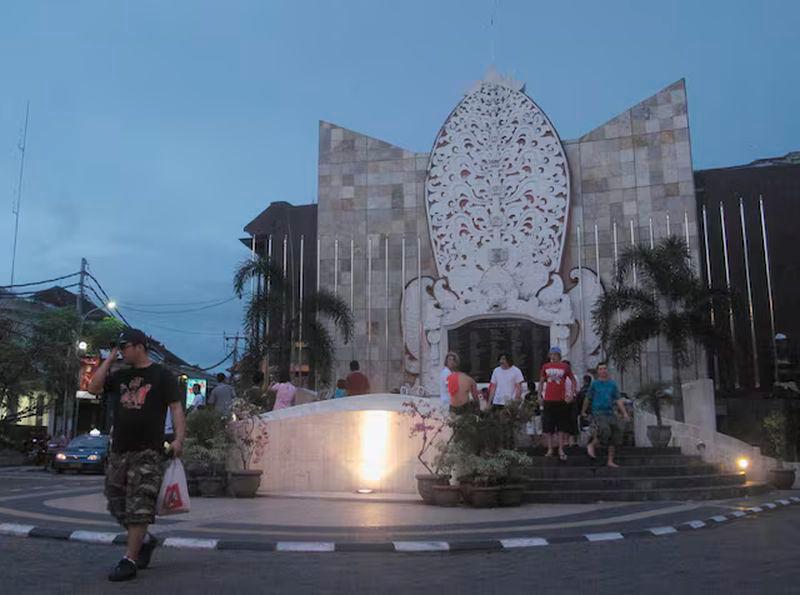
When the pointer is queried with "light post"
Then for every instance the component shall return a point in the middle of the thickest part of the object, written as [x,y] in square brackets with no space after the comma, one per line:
[82,346]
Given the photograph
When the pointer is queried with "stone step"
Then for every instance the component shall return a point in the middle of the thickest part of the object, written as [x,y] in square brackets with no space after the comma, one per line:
[536,451]
[583,460]
[678,494]
[600,470]
[634,483]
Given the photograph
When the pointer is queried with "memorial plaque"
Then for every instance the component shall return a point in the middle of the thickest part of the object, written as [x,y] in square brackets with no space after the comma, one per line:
[480,343]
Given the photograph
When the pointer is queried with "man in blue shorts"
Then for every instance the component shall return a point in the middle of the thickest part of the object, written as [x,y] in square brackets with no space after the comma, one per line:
[603,395]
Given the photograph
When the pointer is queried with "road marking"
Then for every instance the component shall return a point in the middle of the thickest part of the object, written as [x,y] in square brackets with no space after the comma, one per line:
[421,546]
[769,505]
[663,530]
[15,529]
[523,542]
[738,513]
[92,537]
[696,524]
[305,546]
[794,498]
[784,502]
[719,518]
[755,509]
[603,536]
[189,543]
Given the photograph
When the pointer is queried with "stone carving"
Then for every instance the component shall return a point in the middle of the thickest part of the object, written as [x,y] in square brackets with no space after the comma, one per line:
[497,197]
[588,288]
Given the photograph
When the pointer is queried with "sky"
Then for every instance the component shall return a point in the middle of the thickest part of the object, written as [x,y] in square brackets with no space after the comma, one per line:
[159,129]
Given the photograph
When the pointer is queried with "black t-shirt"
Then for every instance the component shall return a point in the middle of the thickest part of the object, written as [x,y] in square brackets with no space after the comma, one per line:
[140,411]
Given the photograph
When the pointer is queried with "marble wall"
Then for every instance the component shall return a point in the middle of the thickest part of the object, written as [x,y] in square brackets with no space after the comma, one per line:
[633,172]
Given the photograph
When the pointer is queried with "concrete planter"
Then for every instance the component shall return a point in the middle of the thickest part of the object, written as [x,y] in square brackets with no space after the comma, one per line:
[781,479]
[211,487]
[659,436]
[447,495]
[425,483]
[480,497]
[511,495]
[244,484]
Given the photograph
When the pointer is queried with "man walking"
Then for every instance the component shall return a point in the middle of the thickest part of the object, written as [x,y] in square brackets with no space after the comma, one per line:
[136,463]
[555,402]
[506,382]
[604,396]
[221,397]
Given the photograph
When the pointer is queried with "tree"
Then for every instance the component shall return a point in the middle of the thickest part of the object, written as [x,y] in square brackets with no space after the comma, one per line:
[274,322]
[17,373]
[669,300]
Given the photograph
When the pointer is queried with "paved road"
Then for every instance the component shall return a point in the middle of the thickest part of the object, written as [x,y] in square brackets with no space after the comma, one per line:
[752,555]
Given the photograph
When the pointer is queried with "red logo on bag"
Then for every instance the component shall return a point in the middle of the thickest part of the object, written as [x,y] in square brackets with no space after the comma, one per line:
[172,498]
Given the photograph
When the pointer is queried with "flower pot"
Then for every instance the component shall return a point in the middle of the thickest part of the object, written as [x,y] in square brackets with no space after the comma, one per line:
[480,497]
[244,484]
[511,495]
[425,485]
[191,485]
[446,495]
[781,479]
[466,484]
[211,487]
[659,436]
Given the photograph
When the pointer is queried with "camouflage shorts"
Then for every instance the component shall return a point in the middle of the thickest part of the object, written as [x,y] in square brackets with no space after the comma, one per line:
[133,480]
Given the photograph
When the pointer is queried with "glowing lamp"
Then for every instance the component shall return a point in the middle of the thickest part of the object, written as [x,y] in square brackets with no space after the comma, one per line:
[61,457]
[742,463]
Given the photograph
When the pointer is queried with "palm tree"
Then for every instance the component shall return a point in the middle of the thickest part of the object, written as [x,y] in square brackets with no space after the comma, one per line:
[275,323]
[669,300]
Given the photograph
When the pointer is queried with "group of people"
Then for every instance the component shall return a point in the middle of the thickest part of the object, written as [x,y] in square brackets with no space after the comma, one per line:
[562,402]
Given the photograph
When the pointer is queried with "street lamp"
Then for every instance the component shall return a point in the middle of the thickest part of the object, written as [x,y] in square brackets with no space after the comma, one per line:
[82,347]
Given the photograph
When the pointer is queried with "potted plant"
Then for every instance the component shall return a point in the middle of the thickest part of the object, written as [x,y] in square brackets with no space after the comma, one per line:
[774,426]
[205,453]
[249,437]
[429,425]
[512,491]
[654,397]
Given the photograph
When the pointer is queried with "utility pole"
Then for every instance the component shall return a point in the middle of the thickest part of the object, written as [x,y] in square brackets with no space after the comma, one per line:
[71,406]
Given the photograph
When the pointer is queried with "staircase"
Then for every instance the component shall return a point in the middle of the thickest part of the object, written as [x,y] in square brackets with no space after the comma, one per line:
[644,474]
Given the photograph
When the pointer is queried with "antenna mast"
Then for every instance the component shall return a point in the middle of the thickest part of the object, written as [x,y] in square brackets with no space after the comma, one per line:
[18,199]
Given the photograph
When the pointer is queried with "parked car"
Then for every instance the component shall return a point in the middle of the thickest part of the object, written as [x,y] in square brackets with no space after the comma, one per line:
[87,452]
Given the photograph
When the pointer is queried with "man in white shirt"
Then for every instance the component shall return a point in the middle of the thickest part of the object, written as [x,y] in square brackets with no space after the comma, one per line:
[451,362]
[506,382]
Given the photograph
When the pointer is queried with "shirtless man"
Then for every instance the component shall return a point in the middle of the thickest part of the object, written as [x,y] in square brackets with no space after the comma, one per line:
[461,387]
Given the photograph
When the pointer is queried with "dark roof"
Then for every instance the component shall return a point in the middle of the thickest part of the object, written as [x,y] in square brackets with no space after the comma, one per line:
[791,158]
[276,218]
[59,297]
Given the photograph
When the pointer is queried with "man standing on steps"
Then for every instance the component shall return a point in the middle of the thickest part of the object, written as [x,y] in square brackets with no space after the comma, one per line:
[137,460]
[555,402]
[506,382]
[451,363]
[604,396]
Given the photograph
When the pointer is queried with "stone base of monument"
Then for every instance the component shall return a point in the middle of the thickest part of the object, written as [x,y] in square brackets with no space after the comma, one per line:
[643,474]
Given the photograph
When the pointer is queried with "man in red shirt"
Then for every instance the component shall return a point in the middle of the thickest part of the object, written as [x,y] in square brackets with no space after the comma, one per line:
[555,402]
[356,382]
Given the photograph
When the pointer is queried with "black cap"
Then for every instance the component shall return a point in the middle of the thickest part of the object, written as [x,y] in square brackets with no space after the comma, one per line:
[133,336]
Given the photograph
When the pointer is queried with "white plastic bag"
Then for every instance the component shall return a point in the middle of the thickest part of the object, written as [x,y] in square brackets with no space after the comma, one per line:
[173,497]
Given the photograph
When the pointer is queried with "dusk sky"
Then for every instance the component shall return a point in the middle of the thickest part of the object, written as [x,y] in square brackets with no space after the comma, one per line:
[159,129]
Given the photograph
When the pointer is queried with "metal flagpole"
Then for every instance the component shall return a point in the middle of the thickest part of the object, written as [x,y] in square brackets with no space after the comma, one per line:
[18,200]
[386,307]
[769,287]
[728,285]
[694,343]
[319,245]
[402,301]
[369,302]
[421,325]
[580,294]
[619,318]
[669,230]
[352,277]
[655,297]
[715,358]
[300,304]
[336,268]
[756,375]
[597,267]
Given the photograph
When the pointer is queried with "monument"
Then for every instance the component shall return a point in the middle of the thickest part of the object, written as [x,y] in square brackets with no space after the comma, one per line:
[501,221]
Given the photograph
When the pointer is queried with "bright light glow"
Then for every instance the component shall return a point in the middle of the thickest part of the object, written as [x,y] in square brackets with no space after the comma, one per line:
[743,463]
[92,457]
[365,491]
[94,432]
[111,305]
[374,446]
[61,457]
[83,345]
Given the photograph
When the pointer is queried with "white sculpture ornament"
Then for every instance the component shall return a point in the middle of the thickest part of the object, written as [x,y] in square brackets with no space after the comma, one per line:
[497,196]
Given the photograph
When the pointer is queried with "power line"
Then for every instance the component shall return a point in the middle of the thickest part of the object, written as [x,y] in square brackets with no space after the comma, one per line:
[152,305]
[39,282]
[29,294]
[219,363]
[185,332]
[199,309]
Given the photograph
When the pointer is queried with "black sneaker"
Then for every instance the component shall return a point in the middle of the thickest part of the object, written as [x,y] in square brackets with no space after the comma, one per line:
[146,552]
[125,570]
